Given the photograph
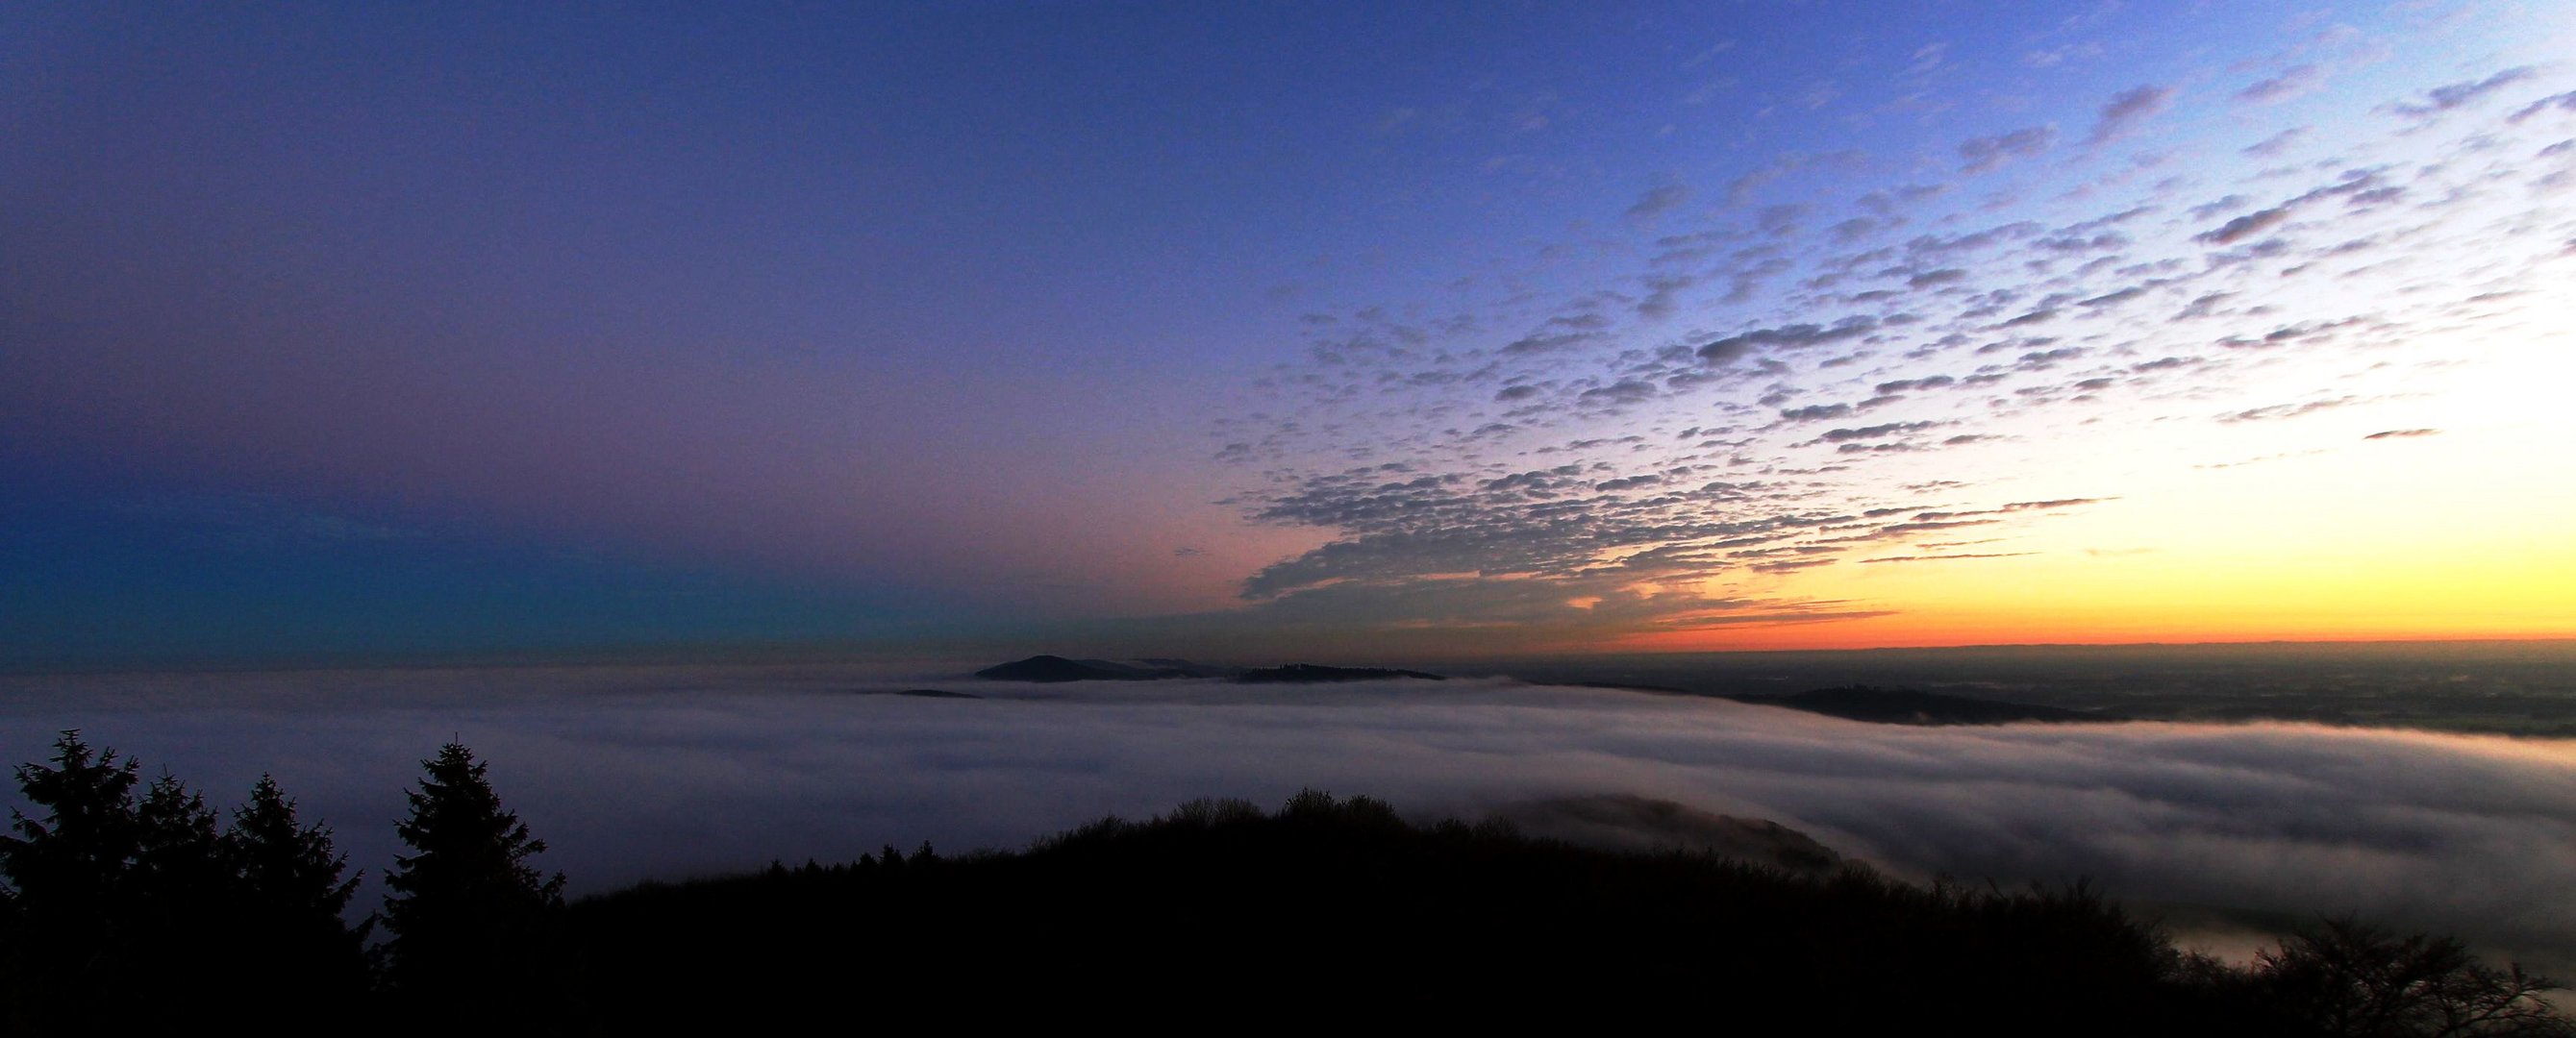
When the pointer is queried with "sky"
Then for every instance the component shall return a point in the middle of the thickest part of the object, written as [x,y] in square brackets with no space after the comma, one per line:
[1287,330]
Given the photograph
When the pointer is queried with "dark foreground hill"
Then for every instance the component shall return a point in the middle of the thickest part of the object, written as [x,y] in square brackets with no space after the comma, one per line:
[121,913]
[1628,822]
[1338,913]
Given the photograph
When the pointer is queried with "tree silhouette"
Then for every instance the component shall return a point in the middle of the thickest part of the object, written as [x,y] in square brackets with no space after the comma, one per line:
[69,920]
[178,907]
[290,896]
[474,925]
[286,868]
[2349,978]
[79,850]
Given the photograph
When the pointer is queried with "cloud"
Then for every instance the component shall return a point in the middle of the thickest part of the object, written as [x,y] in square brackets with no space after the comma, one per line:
[2245,226]
[1663,291]
[636,773]
[2272,146]
[1872,432]
[1659,200]
[2113,298]
[1507,553]
[2454,95]
[1624,391]
[2215,206]
[2127,110]
[1946,558]
[1761,406]
[1908,385]
[1987,154]
[1744,188]
[2295,81]
[2565,102]
[1791,336]
[2054,56]
[2276,411]
[2394,434]
[1547,342]
[1887,201]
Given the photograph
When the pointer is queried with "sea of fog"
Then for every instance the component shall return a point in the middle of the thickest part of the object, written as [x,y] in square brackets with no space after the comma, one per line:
[631,773]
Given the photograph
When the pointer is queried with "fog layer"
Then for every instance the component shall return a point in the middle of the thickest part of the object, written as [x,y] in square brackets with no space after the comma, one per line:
[669,772]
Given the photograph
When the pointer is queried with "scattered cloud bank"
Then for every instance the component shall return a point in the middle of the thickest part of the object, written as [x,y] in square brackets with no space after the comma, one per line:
[1776,385]
[635,773]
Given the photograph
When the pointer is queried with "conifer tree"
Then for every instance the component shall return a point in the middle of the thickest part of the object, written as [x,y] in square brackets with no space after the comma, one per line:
[179,865]
[474,925]
[291,896]
[179,912]
[75,858]
[69,876]
[288,868]
[140,910]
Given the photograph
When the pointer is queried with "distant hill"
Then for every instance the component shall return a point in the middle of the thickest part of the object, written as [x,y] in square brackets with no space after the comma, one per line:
[1309,673]
[1049,669]
[1907,706]
[1058,668]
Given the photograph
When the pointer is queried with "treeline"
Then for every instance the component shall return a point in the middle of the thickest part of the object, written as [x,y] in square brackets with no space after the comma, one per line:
[1335,912]
[124,909]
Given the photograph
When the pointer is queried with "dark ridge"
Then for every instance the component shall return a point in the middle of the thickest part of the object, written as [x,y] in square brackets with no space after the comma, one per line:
[1624,686]
[1058,668]
[1311,674]
[1627,822]
[1162,667]
[1331,912]
[1196,670]
[1907,706]
[932,693]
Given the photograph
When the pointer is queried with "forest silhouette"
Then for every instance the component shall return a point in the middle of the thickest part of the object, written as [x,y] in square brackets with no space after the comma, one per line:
[133,903]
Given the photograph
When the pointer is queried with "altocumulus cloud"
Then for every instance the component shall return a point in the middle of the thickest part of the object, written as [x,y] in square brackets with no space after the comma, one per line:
[665,772]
